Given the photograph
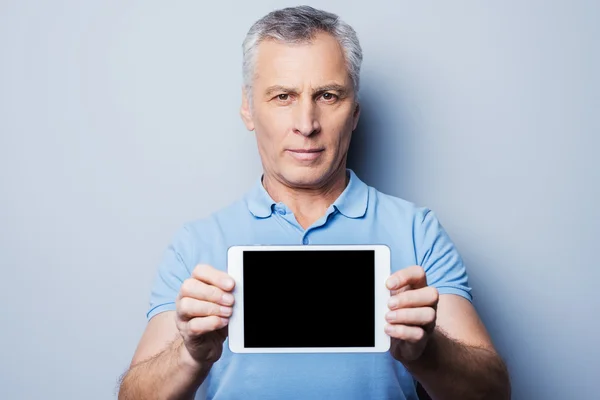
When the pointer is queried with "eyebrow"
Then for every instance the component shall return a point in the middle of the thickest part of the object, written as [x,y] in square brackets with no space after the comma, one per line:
[334,87]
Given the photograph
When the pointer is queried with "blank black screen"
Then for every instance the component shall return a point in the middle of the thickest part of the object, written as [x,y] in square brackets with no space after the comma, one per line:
[309,298]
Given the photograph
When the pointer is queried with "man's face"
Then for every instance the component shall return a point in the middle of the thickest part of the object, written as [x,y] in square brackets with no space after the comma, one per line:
[304,110]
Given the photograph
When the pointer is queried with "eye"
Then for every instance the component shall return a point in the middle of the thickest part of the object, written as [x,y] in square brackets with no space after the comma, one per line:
[283,97]
[329,97]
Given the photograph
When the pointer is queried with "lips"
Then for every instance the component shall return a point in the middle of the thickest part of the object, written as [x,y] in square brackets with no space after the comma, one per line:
[305,150]
[305,154]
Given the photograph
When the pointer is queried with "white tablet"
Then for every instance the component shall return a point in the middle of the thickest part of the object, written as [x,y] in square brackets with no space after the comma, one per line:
[309,298]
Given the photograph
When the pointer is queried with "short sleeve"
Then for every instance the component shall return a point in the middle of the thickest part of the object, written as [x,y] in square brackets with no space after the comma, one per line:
[173,269]
[438,255]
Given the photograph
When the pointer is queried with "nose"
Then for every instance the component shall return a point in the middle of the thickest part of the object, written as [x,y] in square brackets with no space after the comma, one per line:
[306,118]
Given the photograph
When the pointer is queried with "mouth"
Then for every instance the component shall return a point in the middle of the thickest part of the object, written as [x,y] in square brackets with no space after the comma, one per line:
[306,154]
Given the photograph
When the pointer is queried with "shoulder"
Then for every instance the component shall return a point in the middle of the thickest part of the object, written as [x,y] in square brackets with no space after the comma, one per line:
[393,208]
[207,231]
[234,214]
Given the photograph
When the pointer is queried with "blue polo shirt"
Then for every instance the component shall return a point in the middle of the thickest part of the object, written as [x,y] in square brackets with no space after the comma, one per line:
[360,215]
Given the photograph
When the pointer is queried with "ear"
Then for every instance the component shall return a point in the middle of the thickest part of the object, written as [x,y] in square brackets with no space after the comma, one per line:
[355,116]
[245,111]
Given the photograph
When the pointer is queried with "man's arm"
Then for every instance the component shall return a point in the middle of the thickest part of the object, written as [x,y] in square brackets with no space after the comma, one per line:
[459,360]
[179,348]
[442,342]
[162,367]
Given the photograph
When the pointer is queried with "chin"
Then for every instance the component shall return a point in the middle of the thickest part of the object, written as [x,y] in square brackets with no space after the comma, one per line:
[305,176]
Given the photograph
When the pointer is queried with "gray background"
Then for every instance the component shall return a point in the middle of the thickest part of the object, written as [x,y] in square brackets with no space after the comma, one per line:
[119,122]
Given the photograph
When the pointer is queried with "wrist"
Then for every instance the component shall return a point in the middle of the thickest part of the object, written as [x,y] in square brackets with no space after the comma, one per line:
[189,363]
[429,358]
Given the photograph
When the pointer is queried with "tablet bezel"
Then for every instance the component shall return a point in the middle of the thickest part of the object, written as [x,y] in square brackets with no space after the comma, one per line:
[382,294]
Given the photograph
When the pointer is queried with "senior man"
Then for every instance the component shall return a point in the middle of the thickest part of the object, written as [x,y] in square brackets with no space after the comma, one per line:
[301,78]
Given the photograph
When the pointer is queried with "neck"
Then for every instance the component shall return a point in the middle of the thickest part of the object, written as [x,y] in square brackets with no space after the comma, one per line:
[307,204]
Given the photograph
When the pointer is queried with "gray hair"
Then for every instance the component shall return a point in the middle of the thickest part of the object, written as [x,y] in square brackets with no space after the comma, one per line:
[300,25]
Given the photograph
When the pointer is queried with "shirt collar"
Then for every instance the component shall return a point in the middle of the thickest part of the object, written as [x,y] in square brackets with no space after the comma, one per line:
[352,203]
[259,201]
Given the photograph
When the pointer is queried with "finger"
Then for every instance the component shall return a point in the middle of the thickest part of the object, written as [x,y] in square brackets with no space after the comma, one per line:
[404,288]
[188,308]
[414,276]
[410,334]
[424,297]
[201,291]
[422,316]
[201,325]
[214,277]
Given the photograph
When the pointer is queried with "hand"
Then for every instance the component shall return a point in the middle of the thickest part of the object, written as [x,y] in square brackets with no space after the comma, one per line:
[412,315]
[204,305]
